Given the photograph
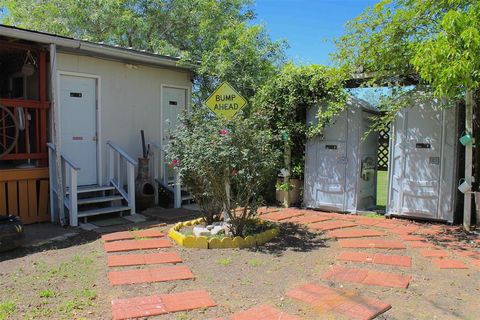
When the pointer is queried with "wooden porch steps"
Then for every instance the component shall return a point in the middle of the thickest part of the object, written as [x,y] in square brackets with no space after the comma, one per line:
[95,212]
[99,199]
[93,188]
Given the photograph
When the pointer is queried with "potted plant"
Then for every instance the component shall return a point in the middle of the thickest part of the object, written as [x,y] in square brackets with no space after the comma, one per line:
[293,188]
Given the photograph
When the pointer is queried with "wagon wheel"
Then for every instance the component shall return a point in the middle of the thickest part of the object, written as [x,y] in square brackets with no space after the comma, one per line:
[8,131]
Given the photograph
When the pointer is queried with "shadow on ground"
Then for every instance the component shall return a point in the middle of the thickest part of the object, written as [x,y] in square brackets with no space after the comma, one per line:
[292,237]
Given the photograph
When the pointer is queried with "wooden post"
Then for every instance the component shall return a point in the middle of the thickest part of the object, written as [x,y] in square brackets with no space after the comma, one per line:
[467,204]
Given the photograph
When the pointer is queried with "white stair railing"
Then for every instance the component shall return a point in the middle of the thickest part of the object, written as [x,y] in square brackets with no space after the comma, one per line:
[160,175]
[121,171]
[69,176]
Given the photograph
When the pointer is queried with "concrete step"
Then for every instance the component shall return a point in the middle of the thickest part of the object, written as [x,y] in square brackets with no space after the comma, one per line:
[99,199]
[96,212]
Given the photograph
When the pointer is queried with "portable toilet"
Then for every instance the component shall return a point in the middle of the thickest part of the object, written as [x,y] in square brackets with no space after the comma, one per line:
[423,161]
[341,164]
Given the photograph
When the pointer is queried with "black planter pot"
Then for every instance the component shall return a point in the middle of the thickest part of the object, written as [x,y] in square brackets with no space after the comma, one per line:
[11,233]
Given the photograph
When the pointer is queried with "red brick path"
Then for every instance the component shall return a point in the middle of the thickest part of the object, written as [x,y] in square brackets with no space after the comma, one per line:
[371,243]
[143,259]
[354,233]
[393,260]
[368,277]
[130,245]
[327,300]
[160,304]
[161,274]
[126,235]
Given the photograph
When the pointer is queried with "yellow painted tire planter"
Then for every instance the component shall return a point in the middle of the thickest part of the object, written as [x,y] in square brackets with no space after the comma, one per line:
[216,243]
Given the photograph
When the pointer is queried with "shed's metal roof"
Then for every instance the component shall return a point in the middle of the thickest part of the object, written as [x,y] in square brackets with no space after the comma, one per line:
[98,49]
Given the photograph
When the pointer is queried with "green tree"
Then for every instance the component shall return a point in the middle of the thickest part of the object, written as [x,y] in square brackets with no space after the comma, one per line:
[434,44]
[219,35]
[225,164]
[284,100]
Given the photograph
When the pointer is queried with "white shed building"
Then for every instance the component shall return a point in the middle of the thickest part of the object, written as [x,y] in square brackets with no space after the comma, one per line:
[423,162]
[99,98]
[340,166]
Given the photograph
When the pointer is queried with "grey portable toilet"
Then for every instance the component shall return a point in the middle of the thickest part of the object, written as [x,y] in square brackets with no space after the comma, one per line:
[341,165]
[423,161]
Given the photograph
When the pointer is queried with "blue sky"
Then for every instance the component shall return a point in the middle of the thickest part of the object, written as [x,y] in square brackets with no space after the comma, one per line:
[309,26]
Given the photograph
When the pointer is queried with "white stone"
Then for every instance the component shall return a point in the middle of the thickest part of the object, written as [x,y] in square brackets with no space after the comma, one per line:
[201,231]
[216,230]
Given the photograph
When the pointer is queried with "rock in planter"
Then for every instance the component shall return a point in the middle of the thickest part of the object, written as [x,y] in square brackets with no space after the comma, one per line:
[201,231]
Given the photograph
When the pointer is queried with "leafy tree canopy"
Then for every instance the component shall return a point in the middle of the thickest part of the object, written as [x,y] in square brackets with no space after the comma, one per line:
[435,41]
[219,35]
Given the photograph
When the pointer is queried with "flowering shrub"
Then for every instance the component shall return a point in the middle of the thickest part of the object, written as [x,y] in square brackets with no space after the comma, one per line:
[224,164]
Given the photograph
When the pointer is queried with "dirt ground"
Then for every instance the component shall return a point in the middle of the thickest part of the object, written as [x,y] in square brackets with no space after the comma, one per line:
[68,280]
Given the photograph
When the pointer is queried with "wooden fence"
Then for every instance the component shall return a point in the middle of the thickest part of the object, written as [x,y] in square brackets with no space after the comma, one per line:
[24,193]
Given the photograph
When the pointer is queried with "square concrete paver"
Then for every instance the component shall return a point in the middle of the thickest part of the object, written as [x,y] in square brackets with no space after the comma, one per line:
[160,304]
[331,225]
[429,253]
[354,233]
[127,235]
[371,243]
[449,264]
[369,277]
[143,259]
[392,260]
[129,245]
[327,300]
[160,274]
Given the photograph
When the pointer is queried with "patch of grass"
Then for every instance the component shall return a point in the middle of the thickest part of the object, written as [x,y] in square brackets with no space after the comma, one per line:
[373,215]
[382,186]
[47,293]
[225,261]
[88,294]
[255,263]
[7,308]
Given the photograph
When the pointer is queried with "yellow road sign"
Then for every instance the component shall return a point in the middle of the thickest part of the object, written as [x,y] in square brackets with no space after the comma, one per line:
[225,101]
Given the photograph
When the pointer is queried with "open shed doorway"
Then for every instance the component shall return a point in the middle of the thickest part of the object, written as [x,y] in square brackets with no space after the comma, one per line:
[382,168]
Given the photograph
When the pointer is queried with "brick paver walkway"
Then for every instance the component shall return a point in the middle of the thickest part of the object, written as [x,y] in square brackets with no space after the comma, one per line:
[143,259]
[160,304]
[371,243]
[161,274]
[354,233]
[326,300]
[131,245]
[376,258]
[369,277]
[136,307]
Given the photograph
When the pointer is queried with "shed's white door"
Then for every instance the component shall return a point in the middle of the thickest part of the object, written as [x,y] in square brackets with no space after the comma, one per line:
[78,124]
[416,175]
[174,101]
[329,166]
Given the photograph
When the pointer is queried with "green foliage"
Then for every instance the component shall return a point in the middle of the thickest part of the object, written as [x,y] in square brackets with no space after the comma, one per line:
[225,261]
[285,98]
[218,34]
[7,308]
[434,42]
[283,186]
[211,152]
[47,293]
